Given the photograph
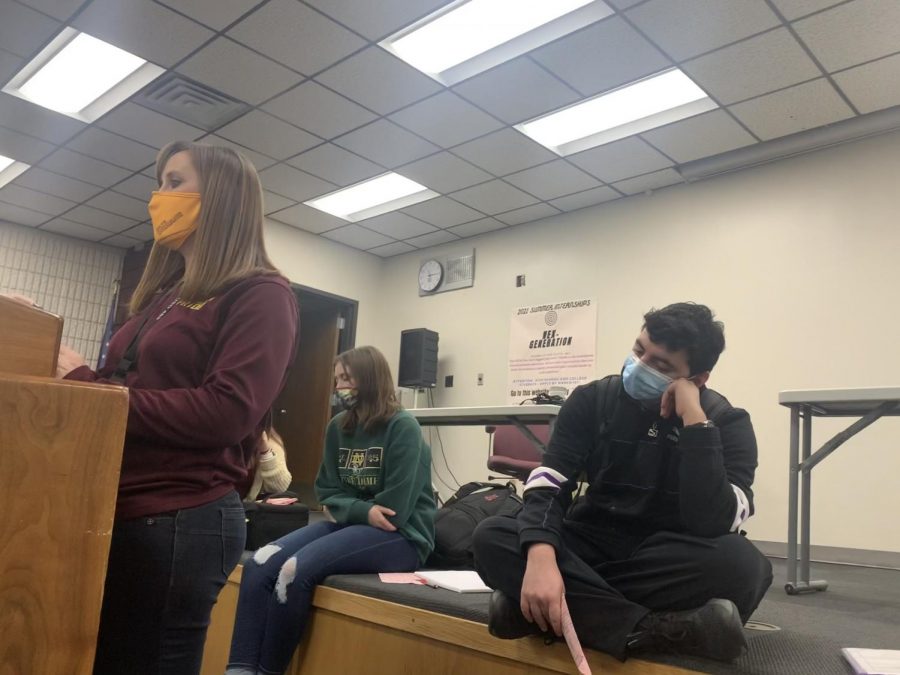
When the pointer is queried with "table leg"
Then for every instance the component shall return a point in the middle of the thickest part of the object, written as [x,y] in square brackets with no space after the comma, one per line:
[793,481]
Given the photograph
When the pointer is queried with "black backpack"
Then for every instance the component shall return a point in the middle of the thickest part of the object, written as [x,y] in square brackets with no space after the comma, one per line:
[455,522]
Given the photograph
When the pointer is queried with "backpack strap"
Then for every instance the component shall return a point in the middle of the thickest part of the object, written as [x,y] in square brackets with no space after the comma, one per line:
[714,404]
[607,402]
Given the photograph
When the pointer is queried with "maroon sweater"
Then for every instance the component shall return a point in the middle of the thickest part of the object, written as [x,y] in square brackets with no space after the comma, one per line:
[206,375]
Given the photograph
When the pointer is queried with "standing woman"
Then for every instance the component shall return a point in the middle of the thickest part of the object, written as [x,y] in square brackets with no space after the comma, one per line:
[375,480]
[211,335]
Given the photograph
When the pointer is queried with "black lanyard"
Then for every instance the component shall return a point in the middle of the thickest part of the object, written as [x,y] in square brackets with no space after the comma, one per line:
[129,358]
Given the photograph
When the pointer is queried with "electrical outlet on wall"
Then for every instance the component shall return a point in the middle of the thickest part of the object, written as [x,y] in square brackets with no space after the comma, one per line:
[448,380]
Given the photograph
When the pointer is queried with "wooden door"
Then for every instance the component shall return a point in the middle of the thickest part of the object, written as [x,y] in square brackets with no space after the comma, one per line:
[303,409]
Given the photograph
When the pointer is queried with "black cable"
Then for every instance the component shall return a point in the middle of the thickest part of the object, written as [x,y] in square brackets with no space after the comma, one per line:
[430,399]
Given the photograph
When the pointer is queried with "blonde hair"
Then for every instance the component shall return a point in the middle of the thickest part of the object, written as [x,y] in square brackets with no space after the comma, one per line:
[228,242]
[376,400]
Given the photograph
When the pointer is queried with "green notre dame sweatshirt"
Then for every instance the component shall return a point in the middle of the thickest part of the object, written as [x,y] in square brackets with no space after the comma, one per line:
[391,467]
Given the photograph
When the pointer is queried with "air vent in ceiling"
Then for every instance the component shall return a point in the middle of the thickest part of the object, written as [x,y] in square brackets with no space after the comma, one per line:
[190,102]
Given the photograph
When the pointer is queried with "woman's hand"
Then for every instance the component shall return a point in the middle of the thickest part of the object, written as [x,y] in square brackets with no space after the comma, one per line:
[378,518]
[68,361]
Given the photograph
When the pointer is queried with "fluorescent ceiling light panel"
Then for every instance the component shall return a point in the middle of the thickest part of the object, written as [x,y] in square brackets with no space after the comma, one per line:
[372,197]
[470,36]
[10,169]
[80,76]
[646,104]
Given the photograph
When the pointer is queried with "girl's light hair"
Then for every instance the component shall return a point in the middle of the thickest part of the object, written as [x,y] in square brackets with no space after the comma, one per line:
[228,243]
[376,400]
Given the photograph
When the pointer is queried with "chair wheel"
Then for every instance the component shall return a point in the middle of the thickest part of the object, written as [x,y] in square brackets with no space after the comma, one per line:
[790,589]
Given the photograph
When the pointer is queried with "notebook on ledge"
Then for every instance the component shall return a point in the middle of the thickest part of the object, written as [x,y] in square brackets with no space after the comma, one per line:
[873,661]
[461,581]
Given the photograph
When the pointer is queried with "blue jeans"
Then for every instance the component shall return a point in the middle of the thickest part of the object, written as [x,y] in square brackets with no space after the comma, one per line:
[278,584]
[164,575]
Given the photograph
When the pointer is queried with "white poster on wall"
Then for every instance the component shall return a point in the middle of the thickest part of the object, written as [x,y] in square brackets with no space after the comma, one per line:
[552,345]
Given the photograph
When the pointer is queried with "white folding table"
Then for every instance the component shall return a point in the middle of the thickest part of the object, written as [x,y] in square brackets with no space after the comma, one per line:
[517,415]
[866,403]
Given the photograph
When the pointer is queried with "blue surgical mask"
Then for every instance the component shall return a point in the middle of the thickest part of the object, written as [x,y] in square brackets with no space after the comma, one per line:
[346,397]
[642,382]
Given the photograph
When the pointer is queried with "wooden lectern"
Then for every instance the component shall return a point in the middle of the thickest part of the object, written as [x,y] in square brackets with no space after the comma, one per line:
[60,455]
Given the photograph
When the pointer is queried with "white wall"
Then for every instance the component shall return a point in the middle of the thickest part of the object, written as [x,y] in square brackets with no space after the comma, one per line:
[798,258]
[69,277]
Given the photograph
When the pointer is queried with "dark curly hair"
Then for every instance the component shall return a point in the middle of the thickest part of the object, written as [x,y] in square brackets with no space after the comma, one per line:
[691,327]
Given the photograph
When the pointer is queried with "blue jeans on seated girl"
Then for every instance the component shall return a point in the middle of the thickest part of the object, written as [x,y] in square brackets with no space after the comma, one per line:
[278,583]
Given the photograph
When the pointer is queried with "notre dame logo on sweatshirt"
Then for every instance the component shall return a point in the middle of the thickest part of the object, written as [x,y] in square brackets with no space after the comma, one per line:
[360,468]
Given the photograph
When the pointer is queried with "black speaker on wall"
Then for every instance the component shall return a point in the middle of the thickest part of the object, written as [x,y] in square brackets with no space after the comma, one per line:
[418,358]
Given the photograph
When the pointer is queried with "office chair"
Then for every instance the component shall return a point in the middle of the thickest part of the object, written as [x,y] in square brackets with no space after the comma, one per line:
[511,453]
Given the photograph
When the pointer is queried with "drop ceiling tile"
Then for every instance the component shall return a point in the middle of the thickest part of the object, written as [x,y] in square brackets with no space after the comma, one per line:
[273,202]
[121,241]
[143,28]
[36,201]
[504,152]
[308,218]
[336,165]
[443,212]
[28,118]
[259,160]
[446,119]
[137,186]
[443,172]
[280,26]
[554,179]
[23,30]
[103,220]
[794,9]
[494,197]
[805,106]
[319,110]
[21,147]
[58,9]
[16,214]
[517,90]
[295,184]
[9,65]
[217,15]
[73,229]
[76,165]
[605,55]
[132,208]
[218,63]
[54,184]
[852,33]
[389,250]
[587,198]
[386,143]
[686,28]
[148,127]
[528,214]
[477,227]
[873,86]
[433,239]
[268,135]
[142,232]
[357,237]
[397,225]
[650,181]
[621,159]
[700,136]
[376,20]
[113,148]
[762,64]
[379,81]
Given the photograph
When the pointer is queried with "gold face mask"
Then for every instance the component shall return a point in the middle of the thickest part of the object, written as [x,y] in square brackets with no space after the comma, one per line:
[175,216]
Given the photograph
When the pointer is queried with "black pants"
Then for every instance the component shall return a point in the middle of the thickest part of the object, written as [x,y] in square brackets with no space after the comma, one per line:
[613,581]
[165,573]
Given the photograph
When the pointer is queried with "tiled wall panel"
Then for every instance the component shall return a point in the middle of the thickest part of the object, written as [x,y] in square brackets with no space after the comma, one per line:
[75,279]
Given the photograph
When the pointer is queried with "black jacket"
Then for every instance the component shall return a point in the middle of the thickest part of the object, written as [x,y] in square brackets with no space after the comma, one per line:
[645,473]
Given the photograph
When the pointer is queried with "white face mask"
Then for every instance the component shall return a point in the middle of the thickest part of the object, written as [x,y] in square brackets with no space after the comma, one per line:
[642,382]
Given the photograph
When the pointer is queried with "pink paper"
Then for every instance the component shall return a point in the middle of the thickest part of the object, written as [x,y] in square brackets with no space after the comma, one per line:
[572,641]
[400,578]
